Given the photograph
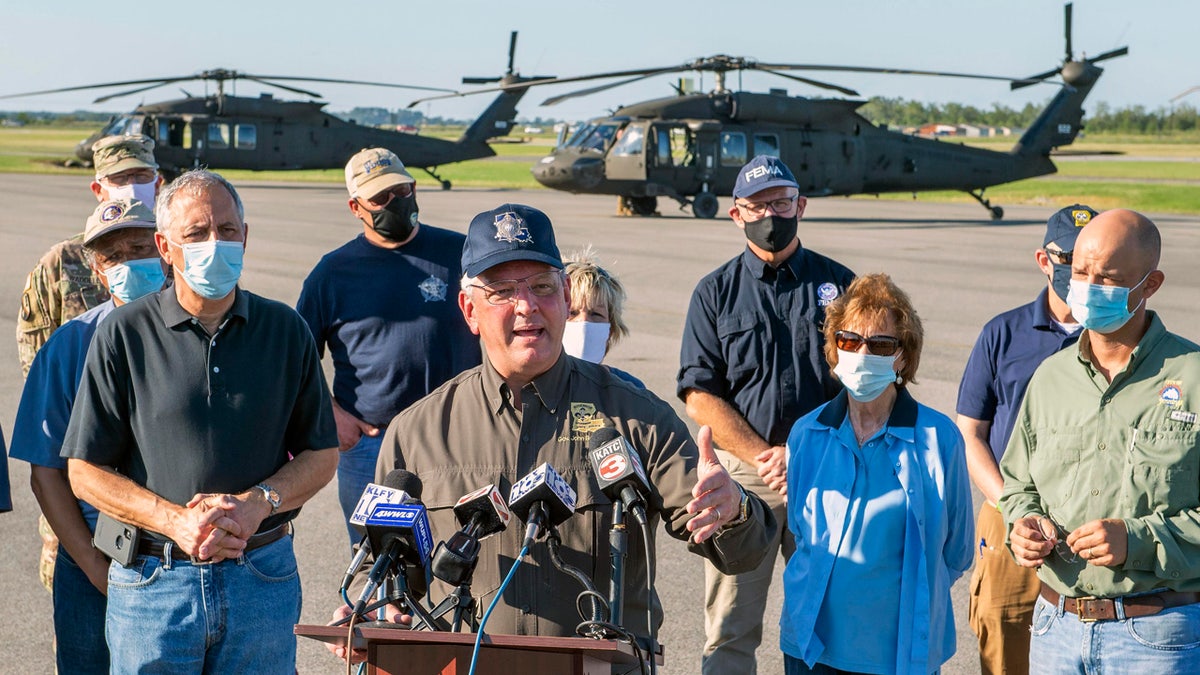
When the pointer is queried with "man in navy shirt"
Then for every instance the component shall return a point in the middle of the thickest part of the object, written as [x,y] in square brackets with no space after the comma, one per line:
[751,364]
[384,305]
[1010,347]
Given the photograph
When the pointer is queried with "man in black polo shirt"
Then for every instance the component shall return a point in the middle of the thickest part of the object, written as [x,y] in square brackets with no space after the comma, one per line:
[751,364]
[203,419]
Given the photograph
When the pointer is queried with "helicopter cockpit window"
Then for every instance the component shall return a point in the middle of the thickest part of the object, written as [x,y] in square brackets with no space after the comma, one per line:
[581,132]
[123,126]
[218,135]
[245,136]
[766,144]
[599,137]
[630,142]
[733,148]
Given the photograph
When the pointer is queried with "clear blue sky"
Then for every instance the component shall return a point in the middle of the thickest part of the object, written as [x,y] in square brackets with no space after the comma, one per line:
[69,42]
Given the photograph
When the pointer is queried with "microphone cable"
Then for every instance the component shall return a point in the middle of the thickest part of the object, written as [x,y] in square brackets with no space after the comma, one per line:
[649,611]
[492,605]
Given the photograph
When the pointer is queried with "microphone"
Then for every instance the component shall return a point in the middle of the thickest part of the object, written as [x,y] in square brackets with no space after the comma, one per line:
[542,499]
[480,513]
[401,535]
[399,487]
[618,469]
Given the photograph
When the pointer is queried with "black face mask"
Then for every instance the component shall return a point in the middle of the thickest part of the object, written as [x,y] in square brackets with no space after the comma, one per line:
[771,233]
[1060,279]
[397,220]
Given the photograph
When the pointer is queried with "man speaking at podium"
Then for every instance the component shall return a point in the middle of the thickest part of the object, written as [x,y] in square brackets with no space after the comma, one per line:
[530,403]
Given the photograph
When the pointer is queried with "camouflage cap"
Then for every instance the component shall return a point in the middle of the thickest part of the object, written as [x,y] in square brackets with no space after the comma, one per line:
[117,214]
[374,170]
[118,153]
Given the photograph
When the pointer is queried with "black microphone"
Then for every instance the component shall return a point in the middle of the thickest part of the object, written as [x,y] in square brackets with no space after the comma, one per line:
[542,499]
[401,535]
[399,487]
[619,470]
[480,513]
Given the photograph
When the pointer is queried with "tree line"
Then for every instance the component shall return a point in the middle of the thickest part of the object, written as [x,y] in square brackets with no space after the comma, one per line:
[1101,118]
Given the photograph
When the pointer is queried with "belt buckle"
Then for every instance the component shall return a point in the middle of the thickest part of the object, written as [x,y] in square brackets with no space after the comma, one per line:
[1080,603]
[196,562]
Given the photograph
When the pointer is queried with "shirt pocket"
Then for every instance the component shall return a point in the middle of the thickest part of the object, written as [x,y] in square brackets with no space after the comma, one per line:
[741,335]
[1163,471]
[1056,461]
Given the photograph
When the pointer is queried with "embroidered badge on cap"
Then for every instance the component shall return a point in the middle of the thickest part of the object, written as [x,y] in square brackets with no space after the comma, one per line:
[376,165]
[826,293]
[1081,217]
[111,213]
[510,227]
[433,289]
[1170,395]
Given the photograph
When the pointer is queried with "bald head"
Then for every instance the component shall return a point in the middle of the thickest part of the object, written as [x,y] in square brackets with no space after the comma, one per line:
[1121,245]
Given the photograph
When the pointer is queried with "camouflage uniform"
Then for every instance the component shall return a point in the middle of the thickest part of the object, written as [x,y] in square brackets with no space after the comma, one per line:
[60,288]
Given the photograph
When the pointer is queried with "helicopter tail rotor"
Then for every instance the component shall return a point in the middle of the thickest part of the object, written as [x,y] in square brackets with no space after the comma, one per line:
[1069,59]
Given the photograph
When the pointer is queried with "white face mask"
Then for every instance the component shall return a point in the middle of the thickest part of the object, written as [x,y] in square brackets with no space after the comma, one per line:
[142,192]
[865,376]
[587,340]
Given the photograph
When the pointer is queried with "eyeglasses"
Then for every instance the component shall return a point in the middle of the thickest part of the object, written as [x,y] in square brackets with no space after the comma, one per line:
[760,208]
[879,345]
[542,285]
[130,177]
[382,199]
[1060,540]
[1060,257]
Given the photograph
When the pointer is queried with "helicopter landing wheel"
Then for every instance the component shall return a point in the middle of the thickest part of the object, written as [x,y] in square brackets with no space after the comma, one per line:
[640,206]
[445,184]
[704,205]
[997,213]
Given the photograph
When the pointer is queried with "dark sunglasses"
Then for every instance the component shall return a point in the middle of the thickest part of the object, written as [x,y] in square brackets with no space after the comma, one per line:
[1060,257]
[879,345]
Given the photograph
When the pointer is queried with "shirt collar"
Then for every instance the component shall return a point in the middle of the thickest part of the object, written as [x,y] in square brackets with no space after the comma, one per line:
[174,314]
[763,271]
[1155,332]
[550,387]
[901,423]
[1041,311]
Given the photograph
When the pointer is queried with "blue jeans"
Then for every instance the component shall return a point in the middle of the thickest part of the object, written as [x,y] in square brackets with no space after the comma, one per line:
[356,468]
[78,619]
[1163,643]
[235,616]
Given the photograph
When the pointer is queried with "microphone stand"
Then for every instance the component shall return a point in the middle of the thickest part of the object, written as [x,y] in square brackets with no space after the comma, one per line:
[618,547]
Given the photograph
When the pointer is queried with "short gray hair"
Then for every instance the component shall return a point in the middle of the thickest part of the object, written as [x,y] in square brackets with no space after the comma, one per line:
[195,183]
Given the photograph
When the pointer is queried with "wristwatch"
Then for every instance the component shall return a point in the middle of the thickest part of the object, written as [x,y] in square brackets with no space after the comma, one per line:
[271,496]
[743,509]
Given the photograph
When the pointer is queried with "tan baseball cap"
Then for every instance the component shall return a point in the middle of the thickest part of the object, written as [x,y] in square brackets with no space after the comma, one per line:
[118,153]
[374,170]
[117,214]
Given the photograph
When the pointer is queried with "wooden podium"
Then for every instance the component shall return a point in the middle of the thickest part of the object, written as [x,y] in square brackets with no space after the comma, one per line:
[404,652]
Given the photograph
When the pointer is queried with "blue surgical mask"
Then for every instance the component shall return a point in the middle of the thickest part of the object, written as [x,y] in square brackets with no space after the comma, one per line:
[865,376]
[132,279]
[1102,309]
[212,268]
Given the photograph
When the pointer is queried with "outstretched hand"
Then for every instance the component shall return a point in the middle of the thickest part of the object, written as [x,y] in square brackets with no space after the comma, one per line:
[716,499]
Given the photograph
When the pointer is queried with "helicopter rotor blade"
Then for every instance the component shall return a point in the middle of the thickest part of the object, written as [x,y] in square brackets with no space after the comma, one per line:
[294,90]
[1067,28]
[815,83]
[541,81]
[1034,79]
[512,52]
[331,80]
[1189,91]
[592,90]
[880,71]
[129,92]
[1112,54]
[126,83]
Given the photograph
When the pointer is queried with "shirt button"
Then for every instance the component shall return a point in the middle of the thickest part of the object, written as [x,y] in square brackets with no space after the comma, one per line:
[1095,492]
[910,491]
[1102,446]
[1174,575]
[1105,400]
[216,369]
[871,444]
[213,343]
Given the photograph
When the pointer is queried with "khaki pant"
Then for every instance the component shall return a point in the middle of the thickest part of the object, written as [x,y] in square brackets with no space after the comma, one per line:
[734,604]
[1002,598]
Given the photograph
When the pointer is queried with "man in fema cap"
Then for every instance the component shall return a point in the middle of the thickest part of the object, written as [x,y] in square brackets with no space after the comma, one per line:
[530,403]
[383,305]
[750,365]
[1010,347]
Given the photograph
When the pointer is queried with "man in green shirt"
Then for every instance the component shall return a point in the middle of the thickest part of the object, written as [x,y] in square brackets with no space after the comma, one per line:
[1101,492]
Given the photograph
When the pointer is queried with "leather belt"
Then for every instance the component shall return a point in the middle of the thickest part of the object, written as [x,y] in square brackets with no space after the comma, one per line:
[157,548]
[1090,609]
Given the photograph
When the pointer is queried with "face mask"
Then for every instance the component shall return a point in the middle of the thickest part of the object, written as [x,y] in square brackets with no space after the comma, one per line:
[587,340]
[865,376]
[771,233]
[1060,280]
[397,220]
[132,279]
[1102,309]
[212,268]
[142,192]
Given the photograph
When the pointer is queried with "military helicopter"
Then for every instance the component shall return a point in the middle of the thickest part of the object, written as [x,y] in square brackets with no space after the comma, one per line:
[224,131]
[689,147]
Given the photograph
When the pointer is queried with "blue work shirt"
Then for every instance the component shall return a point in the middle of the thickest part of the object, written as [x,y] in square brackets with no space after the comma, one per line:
[390,320]
[753,338]
[49,394]
[5,488]
[1010,347]
[925,449]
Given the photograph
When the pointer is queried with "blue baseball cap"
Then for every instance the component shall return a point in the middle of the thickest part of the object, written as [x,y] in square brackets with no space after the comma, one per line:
[1064,226]
[506,233]
[761,173]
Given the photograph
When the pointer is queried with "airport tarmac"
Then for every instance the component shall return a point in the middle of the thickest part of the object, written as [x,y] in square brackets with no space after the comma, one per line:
[960,269]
